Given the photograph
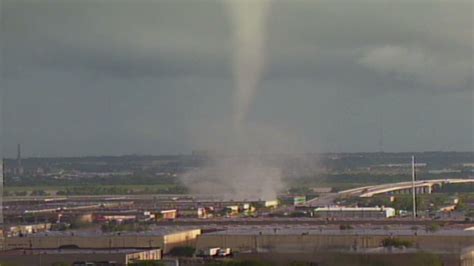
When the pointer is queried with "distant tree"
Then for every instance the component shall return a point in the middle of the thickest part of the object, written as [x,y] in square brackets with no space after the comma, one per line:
[78,224]
[462,206]
[147,263]
[433,227]
[21,193]
[395,242]
[182,251]
[38,192]
[114,226]
[61,193]
[345,227]
[298,214]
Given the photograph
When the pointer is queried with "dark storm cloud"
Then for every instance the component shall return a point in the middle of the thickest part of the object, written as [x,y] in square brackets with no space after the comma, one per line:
[332,40]
[147,73]
[184,38]
[110,38]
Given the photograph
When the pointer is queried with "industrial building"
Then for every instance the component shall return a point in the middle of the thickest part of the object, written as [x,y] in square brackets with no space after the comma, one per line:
[18,230]
[299,201]
[467,256]
[311,240]
[266,204]
[78,256]
[355,212]
[164,239]
[167,214]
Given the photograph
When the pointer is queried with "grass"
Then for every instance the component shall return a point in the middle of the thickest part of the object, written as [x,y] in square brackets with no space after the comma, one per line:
[53,189]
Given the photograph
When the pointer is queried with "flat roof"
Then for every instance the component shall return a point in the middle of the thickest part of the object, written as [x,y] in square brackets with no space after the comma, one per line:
[76,251]
[156,231]
[335,231]
[336,208]
[168,211]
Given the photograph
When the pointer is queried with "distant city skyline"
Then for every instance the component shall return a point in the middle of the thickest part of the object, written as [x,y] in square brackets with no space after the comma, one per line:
[108,78]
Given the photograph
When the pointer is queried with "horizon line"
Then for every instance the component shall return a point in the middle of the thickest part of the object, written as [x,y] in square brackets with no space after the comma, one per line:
[226,154]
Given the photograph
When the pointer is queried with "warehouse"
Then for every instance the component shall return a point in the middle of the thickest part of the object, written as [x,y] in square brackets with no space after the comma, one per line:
[288,239]
[164,239]
[167,214]
[18,230]
[354,212]
[467,256]
[71,256]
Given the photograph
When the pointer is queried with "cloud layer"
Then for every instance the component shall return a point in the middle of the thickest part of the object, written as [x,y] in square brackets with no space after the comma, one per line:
[104,77]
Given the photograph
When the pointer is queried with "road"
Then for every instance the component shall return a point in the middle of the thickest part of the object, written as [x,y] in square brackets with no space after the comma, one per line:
[309,221]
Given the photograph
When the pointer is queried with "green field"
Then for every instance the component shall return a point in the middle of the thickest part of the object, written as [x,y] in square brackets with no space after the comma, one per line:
[94,189]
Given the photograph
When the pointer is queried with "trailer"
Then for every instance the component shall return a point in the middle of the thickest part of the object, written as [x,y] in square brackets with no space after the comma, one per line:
[210,252]
[224,252]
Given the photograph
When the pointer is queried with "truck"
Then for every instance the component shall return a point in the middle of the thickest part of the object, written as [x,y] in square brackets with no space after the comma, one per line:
[224,252]
[210,252]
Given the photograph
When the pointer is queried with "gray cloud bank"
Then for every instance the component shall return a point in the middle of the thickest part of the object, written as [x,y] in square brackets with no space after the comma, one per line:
[114,77]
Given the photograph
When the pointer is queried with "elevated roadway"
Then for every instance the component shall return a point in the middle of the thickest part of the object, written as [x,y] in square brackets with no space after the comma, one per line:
[421,187]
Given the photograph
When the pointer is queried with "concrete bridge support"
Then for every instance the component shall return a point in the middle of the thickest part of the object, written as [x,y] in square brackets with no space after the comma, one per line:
[420,190]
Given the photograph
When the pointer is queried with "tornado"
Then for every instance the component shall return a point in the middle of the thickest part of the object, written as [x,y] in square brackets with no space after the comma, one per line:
[242,177]
[248,27]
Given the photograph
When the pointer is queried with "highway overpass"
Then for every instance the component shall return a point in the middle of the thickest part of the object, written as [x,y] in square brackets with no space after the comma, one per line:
[421,187]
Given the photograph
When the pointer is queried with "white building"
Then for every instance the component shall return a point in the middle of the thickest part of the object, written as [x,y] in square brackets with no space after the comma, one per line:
[355,212]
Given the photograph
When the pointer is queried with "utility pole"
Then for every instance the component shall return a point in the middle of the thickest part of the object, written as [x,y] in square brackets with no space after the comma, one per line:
[413,173]
[381,140]
[19,166]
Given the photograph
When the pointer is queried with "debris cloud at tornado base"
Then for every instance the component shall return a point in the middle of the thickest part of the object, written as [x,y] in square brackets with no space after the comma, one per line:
[236,168]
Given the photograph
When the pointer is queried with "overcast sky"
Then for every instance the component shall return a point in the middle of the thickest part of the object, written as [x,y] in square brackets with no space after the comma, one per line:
[155,77]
